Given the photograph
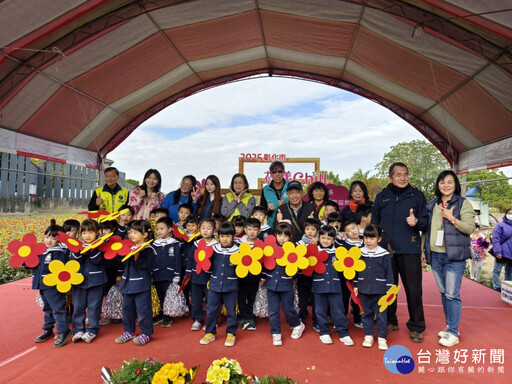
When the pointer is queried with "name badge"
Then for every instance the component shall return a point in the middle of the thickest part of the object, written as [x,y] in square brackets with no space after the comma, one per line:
[440,238]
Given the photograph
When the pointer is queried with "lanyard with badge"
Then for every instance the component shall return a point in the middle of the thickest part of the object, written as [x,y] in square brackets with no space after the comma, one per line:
[440,232]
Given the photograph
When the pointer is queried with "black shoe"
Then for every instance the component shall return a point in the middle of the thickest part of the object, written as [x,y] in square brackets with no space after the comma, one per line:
[416,337]
[392,327]
[47,334]
[62,339]
[166,323]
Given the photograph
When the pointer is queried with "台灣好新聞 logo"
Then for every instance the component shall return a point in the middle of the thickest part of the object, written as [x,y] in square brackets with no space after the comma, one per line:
[398,359]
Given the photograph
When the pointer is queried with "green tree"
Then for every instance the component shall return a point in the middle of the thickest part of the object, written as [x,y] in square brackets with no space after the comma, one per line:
[334,177]
[131,182]
[423,160]
[498,193]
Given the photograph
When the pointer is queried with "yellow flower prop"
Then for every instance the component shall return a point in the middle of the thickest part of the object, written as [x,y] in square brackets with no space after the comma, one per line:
[63,275]
[389,298]
[348,262]
[96,243]
[247,260]
[293,258]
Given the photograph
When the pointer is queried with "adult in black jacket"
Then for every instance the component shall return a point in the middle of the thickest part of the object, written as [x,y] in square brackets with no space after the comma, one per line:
[400,210]
[296,211]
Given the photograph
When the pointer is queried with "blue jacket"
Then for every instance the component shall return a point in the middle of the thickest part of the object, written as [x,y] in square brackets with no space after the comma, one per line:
[203,277]
[500,233]
[457,244]
[173,208]
[377,277]
[91,266]
[167,262]
[390,213]
[137,274]
[39,272]
[224,278]
[329,281]
[269,195]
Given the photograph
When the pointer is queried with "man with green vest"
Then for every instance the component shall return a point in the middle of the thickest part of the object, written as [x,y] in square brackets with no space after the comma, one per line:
[111,197]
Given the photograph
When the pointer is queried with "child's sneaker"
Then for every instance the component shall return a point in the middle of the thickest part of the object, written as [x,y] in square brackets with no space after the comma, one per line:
[207,339]
[276,339]
[326,339]
[157,320]
[383,344]
[230,340]
[88,337]
[105,321]
[368,341]
[316,327]
[77,337]
[125,337]
[297,331]
[358,325]
[166,323]
[196,326]
[251,326]
[47,334]
[347,340]
[142,339]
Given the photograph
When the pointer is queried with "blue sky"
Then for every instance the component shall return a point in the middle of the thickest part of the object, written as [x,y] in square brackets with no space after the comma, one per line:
[206,132]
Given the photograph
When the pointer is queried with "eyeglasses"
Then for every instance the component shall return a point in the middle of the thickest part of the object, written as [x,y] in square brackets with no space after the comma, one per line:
[277,171]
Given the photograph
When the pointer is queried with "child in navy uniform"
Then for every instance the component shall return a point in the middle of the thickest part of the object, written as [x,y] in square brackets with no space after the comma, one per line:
[248,286]
[239,223]
[223,287]
[88,296]
[166,267]
[198,282]
[136,286]
[372,283]
[327,292]
[259,212]
[123,221]
[54,302]
[280,292]
[304,283]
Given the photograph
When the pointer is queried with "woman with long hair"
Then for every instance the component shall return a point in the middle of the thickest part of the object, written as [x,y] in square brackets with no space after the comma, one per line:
[211,200]
[146,197]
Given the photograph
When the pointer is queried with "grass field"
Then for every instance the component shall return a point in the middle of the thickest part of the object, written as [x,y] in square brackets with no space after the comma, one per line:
[14,226]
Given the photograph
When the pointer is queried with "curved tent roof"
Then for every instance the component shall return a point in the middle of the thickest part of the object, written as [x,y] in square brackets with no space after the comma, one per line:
[77,77]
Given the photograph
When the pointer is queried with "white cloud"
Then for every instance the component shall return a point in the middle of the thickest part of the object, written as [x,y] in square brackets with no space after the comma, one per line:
[345,135]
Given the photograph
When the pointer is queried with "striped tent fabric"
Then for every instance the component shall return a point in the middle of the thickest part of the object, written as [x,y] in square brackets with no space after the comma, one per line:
[77,77]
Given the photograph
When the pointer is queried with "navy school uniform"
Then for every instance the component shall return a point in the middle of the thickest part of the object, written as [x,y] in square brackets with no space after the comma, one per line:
[89,294]
[112,268]
[223,289]
[121,232]
[136,289]
[348,244]
[54,302]
[166,267]
[326,289]
[372,283]
[265,230]
[247,290]
[280,292]
[198,282]
[304,284]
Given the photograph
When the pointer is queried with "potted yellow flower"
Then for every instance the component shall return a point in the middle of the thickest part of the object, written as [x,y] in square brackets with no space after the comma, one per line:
[175,373]
[226,371]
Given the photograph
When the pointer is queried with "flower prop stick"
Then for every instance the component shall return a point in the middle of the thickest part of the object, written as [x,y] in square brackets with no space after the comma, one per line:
[96,243]
[389,298]
[202,256]
[63,275]
[247,260]
[293,258]
[348,262]
[136,250]
[94,214]
[26,251]
[179,233]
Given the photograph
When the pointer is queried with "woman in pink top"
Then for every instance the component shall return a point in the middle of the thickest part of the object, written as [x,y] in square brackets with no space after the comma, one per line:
[147,196]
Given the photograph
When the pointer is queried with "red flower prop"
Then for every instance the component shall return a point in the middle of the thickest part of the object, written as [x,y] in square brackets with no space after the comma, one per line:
[194,236]
[184,283]
[179,233]
[94,214]
[96,243]
[74,245]
[116,246]
[202,256]
[271,251]
[355,299]
[26,251]
[316,260]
